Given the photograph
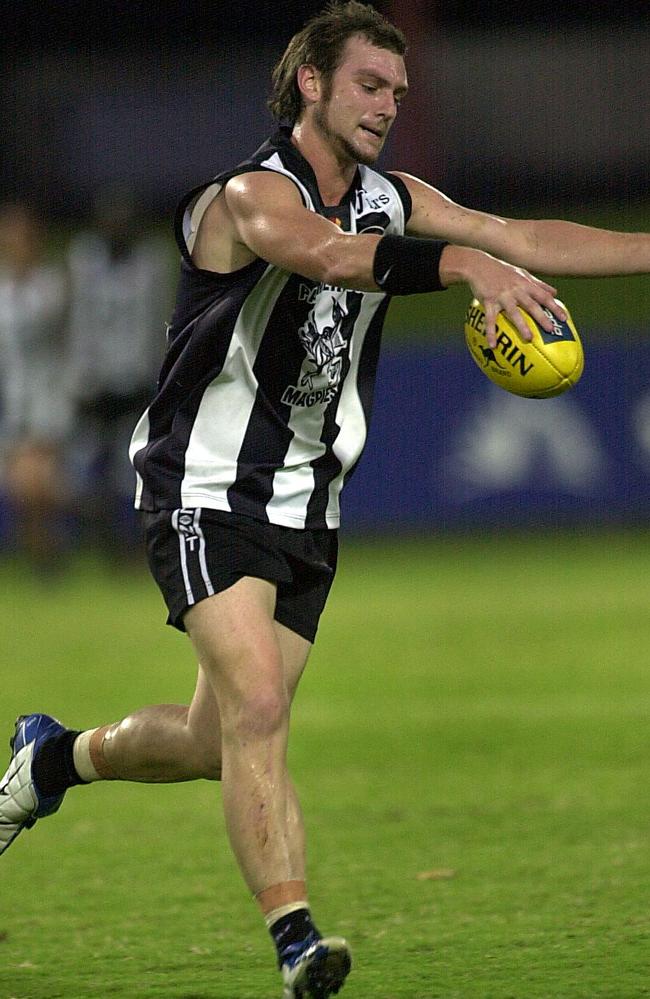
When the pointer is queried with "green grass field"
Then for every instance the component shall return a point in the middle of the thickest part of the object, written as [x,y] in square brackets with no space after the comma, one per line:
[471,747]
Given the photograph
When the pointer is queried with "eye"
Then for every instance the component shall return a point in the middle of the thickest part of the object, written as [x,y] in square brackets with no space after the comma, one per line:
[369,88]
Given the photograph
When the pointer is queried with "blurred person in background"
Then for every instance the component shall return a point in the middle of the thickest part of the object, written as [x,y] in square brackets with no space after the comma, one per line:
[35,414]
[121,286]
[259,418]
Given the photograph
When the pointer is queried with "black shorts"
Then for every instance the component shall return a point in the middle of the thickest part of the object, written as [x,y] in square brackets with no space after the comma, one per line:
[197,552]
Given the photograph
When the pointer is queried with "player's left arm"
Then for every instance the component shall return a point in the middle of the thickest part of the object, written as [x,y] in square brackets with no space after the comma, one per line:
[546,246]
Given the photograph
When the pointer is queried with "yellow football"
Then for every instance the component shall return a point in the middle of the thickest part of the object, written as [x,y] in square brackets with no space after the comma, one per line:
[545,366]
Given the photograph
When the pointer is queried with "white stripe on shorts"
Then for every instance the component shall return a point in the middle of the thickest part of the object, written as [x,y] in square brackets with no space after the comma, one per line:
[182,542]
[202,560]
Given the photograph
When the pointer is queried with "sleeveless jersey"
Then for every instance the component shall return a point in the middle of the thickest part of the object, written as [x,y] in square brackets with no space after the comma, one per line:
[265,392]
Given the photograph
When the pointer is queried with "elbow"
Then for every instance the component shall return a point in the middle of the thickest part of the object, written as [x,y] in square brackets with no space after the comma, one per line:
[332,263]
[334,273]
[344,261]
[347,271]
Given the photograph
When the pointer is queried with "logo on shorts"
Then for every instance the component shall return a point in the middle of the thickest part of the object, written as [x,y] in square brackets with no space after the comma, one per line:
[185,527]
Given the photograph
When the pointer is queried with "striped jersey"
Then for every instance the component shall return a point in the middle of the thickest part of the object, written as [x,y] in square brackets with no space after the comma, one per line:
[264,396]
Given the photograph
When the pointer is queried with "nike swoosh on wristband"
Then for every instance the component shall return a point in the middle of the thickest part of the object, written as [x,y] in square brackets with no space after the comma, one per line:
[382,280]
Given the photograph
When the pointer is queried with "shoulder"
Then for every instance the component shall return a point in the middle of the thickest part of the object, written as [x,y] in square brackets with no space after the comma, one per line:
[266,188]
[214,210]
[414,185]
[251,197]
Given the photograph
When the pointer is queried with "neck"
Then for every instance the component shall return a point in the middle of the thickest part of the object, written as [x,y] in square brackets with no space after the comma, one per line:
[334,172]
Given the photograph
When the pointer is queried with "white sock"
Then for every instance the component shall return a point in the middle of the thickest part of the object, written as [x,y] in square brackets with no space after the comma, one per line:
[81,757]
[283,910]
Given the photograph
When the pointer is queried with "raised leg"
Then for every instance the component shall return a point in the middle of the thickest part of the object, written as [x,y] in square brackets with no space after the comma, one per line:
[165,743]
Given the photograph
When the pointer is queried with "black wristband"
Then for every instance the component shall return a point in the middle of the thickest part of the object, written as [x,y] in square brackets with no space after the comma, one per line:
[404,265]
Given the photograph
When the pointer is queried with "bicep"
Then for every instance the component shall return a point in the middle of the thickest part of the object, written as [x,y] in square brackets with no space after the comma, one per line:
[270,219]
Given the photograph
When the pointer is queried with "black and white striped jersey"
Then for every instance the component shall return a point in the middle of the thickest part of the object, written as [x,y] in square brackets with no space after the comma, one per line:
[265,393]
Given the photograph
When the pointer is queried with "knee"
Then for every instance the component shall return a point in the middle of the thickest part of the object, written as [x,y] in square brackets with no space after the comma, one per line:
[250,689]
[260,713]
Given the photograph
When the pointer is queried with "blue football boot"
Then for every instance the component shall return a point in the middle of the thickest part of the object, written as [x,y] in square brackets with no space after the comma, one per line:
[21,803]
[317,969]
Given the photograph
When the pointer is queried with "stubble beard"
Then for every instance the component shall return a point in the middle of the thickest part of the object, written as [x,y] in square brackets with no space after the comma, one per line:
[343,149]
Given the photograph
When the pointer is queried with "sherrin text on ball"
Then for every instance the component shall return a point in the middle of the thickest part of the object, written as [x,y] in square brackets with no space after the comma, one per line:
[547,365]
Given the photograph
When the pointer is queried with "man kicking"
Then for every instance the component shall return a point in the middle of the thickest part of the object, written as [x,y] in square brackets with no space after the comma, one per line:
[289,261]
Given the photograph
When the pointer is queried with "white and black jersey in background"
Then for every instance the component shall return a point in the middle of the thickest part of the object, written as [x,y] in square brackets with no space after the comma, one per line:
[33,403]
[264,396]
[115,346]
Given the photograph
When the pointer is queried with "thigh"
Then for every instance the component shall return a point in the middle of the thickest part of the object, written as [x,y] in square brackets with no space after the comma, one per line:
[222,628]
[235,638]
[194,554]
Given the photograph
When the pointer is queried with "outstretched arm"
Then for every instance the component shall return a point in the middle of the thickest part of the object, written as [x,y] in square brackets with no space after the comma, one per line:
[545,246]
[261,214]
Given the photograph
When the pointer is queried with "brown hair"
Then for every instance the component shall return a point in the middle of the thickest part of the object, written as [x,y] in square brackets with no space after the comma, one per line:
[320,43]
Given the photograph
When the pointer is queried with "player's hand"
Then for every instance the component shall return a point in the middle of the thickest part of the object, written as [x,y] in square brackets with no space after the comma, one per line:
[502,287]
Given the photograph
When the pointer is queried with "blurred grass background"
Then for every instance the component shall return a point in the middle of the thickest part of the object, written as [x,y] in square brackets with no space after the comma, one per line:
[470,744]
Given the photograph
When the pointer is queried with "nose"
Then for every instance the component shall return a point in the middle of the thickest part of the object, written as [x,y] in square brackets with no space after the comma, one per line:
[389,107]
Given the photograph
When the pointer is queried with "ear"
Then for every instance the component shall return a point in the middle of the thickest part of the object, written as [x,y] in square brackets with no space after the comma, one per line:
[309,83]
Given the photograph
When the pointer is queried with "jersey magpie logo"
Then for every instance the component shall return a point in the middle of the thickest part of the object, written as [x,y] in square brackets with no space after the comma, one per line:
[324,343]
